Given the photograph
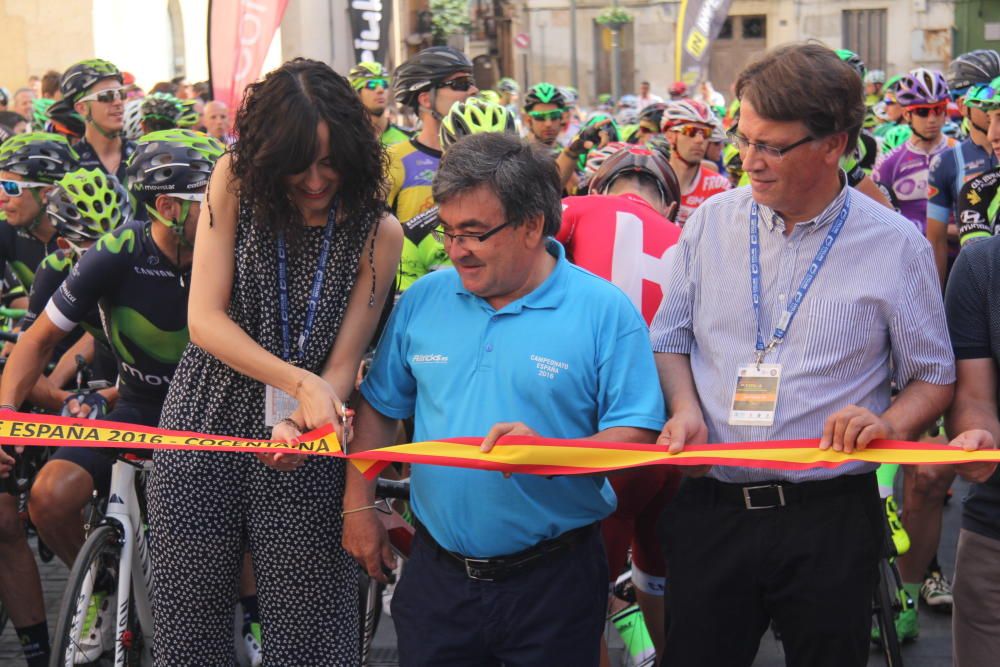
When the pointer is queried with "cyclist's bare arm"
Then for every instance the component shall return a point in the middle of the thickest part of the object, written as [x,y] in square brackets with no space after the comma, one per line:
[937,234]
[47,392]
[27,361]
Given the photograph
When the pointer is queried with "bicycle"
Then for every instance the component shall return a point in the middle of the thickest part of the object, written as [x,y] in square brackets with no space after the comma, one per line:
[890,596]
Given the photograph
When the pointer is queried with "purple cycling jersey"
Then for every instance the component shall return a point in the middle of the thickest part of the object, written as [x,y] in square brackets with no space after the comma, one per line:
[905,171]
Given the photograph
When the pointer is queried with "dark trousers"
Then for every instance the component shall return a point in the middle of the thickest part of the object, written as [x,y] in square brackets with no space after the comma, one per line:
[811,566]
[550,616]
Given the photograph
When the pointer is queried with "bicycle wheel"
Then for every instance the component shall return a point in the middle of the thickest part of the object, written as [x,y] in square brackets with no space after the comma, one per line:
[97,562]
[886,600]
[370,608]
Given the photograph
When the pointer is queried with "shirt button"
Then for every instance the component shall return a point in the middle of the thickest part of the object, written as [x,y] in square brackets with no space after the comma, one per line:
[489,347]
[781,297]
[494,318]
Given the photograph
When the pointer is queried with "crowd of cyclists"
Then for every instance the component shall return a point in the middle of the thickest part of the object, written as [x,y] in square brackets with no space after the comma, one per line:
[103,185]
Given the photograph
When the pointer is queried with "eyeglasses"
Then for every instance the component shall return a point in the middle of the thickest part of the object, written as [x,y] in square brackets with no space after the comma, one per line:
[374,84]
[106,96]
[693,131]
[743,145]
[925,111]
[551,114]
[460,85]
[470,241]
[17,188]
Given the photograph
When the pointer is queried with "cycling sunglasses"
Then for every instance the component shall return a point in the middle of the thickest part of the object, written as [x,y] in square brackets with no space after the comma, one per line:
[694,131]
[17,188]
[460,85]
[551,114]
[374,84]
[106,96]
[925,111]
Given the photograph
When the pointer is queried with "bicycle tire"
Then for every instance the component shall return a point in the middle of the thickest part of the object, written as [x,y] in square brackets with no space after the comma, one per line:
[886,598]
[3,618]
[101,547]
[369,624]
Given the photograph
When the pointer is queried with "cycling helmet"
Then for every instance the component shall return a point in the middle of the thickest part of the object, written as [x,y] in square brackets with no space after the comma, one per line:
[423,71]
[544,93]
[4,97]
[365,71]
[133,119]
[892,84]
[611,128]
[508,85]
[875,76]
[659,144]
[979,66]
[472,117]
[189,115]
[879,111]
[854,60]
[678,89]
[628,102]
[40,112]
[985,96]
[605,101]
[731,160]
[171,162]
[684,112]
[571,94]
[489,96]
[895,137]
[42,157]
[718,132]
[86,204]
[160,111]
[653,113]
[597,156]
[63,120]
[79,78]
[629,132]
[638,160]
[627,116]
[922,86]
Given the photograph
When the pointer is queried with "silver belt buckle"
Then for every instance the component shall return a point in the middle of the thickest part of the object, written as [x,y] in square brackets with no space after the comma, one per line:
[749,503]
[471,570]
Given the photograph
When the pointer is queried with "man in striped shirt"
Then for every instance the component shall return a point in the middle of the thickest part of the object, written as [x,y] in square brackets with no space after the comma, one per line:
[847,300]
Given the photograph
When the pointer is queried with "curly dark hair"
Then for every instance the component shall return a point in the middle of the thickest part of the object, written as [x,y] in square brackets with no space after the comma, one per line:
[276,130]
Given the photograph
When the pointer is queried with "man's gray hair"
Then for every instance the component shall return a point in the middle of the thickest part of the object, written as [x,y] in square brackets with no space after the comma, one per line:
[522,176]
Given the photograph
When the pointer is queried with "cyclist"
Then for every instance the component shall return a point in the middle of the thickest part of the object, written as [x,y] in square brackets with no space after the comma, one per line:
[429,83]
[688,126]
[979,200]
[544,110]
[29,166]
[510,91]
[372,83]
[893,112]
[138,276]
[923,94]
[572,120]
[163,111]
[423,250]
[874,80]
[950,170]
[650,119]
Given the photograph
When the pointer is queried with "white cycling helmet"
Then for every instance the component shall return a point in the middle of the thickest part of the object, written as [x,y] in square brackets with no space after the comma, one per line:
[686,112]
[133,119]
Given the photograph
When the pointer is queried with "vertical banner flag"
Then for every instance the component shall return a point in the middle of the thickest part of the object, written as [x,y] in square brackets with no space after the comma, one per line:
[698,23]
[239,35]
[370,25]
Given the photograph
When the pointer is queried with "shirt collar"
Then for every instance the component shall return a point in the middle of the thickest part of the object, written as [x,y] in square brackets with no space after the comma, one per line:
[547,295]
[827,215]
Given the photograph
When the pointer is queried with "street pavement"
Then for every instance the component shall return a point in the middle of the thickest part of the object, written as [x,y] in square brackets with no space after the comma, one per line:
[933,649]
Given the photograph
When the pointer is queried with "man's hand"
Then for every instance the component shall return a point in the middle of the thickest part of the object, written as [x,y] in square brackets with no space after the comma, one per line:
[6,464]
[366,539]
[501,429]
[588,138]
[972,441]
[682,429]
[853,428]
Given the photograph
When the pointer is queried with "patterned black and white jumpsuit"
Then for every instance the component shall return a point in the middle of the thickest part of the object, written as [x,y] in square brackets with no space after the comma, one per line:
[206,506]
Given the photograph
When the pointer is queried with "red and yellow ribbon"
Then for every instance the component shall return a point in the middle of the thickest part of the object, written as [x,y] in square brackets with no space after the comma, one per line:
[514,454]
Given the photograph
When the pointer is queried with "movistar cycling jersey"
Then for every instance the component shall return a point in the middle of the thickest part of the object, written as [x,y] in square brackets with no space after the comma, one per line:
[393,135]
[143,304]
[21,252]
[52,272]
[412,167]
[905,172]
[90,160]
[422,253]
[951,170]
[978,207]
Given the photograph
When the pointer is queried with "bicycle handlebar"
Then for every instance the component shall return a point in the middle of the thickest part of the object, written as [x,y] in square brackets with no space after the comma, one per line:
[9,336]
[391,488]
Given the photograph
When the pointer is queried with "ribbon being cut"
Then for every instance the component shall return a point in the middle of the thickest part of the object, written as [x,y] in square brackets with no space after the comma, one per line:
[512,454]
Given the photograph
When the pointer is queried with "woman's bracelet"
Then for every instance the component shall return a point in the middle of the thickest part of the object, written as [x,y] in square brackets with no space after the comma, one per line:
[358,509]
[289,420]
[8,406]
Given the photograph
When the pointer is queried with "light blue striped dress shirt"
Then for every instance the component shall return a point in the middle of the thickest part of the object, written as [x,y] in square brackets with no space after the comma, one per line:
[874,314]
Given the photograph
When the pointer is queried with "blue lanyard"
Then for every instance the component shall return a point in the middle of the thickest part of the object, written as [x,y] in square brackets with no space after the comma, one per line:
[793,306]
[317,285]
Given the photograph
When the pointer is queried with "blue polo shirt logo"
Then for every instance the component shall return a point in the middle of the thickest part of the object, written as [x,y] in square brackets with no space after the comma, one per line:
[548,368]
[429,359]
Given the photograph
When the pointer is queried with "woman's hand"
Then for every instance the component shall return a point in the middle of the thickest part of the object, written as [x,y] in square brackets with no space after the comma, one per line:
[288,432]
[318,403]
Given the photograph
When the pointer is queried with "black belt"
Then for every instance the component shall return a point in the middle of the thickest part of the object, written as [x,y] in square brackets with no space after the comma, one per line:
[501,568]
[772,495]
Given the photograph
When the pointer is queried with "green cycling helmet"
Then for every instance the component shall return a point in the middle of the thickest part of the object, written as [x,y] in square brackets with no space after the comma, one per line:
[892,83]
[173,162]
[896,137]
[984,96]
[40,112]
[475,116]
[41,157]
[854,60]
[364,72]
[508,85]
[544,93]
[86,204]
[489,96]
[160,111]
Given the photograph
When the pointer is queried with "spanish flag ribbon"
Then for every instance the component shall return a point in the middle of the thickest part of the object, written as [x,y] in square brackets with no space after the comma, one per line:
[513,454]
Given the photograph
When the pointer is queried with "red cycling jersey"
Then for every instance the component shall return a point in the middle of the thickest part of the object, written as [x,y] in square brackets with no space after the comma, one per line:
[623,239]
[707,184]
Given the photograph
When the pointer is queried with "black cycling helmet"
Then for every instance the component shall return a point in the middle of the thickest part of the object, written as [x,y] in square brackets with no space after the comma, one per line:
[979,66]
[79,78]
[424,71]
[544,93]
[639,160]
[41,157]
[653,113]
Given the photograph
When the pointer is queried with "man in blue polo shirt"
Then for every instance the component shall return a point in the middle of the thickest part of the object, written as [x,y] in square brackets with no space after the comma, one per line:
[514,340]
